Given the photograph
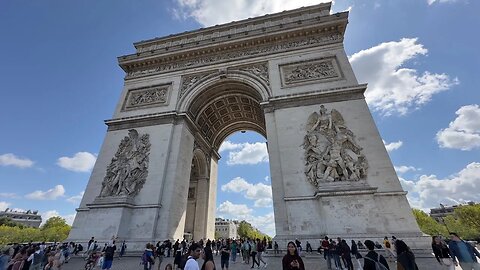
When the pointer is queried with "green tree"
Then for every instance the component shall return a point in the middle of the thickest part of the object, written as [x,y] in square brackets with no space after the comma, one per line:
[246,230]
[428,225]
[54,222]
[469,216]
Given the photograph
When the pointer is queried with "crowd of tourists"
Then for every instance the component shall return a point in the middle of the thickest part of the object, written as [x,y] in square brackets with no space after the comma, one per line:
[338,253]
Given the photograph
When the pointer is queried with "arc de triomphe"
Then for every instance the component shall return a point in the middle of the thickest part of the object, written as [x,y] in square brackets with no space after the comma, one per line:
[285,76]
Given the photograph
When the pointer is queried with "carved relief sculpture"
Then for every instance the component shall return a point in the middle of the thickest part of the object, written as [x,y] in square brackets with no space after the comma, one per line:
[128,169]
[316,70]
[331,153]
[260,70]
[146,97]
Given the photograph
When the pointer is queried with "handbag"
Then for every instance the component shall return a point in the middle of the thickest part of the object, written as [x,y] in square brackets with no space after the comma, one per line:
[447,261]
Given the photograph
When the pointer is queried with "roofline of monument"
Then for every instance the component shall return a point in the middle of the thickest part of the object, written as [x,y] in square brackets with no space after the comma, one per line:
[266,17]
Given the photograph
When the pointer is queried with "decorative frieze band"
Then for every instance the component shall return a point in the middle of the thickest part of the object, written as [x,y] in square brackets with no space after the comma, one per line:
[147,97]
[311,71]
[239,53]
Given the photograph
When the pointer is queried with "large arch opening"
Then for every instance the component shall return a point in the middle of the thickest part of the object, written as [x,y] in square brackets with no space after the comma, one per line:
[219,111]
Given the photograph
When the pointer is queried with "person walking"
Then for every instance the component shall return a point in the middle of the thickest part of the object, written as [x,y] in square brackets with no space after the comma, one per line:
[147,258]
[405,257]
[388,248]
[260,250]
[345,251]
[253,253]
[373,258]
[356,254]
[109,252]
[233,248]
[465,253]
[123,248]
[292,260]
[336,253]
[442,253]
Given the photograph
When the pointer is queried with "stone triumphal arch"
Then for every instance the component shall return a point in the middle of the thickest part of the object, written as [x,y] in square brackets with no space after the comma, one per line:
[285,76]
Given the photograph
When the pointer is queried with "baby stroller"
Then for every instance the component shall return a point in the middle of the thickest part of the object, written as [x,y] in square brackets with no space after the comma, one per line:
[91,261]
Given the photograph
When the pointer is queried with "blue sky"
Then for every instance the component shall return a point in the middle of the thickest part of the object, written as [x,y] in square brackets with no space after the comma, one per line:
[60,79]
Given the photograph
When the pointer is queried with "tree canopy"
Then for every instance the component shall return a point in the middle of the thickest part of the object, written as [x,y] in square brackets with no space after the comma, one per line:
[55,229]
[246,230]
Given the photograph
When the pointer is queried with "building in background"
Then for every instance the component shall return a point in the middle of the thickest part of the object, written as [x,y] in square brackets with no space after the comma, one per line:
[441,212]
[28,218]
[226,228]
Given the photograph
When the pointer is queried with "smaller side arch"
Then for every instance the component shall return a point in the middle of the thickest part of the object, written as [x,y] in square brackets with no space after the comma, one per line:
[200,162]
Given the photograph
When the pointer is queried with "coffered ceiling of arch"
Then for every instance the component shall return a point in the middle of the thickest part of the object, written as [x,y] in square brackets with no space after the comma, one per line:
[229,113]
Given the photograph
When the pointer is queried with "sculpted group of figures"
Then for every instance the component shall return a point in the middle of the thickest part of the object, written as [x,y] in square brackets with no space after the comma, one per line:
[128,169]
[331,153]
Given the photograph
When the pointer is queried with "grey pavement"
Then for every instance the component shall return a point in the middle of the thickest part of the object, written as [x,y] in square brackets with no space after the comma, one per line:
[313,262]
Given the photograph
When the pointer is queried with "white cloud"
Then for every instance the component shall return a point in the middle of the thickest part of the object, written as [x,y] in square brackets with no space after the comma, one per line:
[12,160]
[464,132]
[430,2]
[261,193]
[232,209]
[51,194]
[54,213]
[76,199]
[4,205]
[228,145]
[80,162]
[267,178]
[212,12]
[250,153]
[392,87]
[429,191]
[403,169]
[8,195]
[393,145]
[265,223]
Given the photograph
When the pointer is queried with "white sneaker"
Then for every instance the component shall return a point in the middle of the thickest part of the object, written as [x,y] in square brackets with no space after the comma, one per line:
[265,265]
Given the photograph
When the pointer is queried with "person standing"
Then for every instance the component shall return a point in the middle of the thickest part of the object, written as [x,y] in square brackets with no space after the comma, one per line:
[442,253]
[160,252]
[194,254]
[309,247]
[123,248]
[465,253]
[292,260]
[372,257]
[108,259]
[356,254]
[275,248]
[233,248]
[208,262]
[388,248]
[405,257]
[147,258]
[225,254]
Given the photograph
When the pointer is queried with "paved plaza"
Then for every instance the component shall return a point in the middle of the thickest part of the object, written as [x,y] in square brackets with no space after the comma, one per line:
[313,262]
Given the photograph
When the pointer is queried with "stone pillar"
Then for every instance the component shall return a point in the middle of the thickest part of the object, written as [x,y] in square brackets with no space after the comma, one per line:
[212,199]
[201,208]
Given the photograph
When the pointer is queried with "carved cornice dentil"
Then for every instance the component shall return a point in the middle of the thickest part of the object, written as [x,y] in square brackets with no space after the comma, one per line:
[237,52]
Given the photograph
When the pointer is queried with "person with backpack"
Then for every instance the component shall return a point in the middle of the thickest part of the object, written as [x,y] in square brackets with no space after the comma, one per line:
[405,257]
[36,259]
[373,260]
[147,257]
[194,252]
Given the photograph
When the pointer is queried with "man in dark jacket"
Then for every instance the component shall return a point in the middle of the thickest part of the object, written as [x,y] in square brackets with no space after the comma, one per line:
[465,253]
[372,257]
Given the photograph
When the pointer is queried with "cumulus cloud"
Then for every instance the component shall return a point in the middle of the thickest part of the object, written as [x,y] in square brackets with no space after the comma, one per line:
[4,205]
[464,132]
[212,12]
[249,153]
[403,169]
[393,87]
[429,191]
[51,194]
[260,193]
[12,160]
[80,162]
[232,209]
[393,145]
[54,213]
[228,145]
[265,223]
[76,199]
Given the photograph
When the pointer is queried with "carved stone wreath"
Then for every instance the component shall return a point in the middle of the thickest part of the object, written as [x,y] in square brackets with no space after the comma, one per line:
[331,152]
[128,169]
